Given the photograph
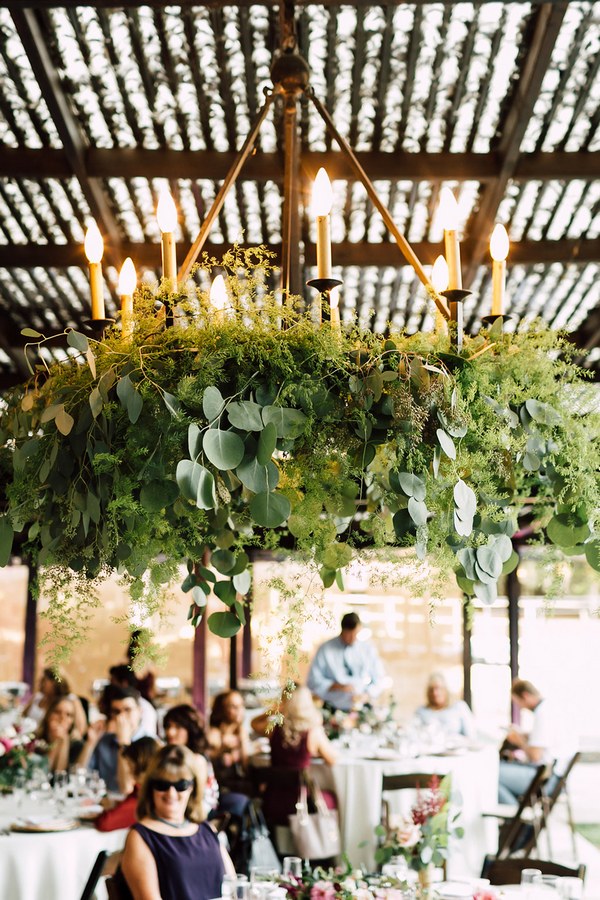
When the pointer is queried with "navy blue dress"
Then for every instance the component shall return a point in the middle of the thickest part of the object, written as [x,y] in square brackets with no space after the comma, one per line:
[189,867]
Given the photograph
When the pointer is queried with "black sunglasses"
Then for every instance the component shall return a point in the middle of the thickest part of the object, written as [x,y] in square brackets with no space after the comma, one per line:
[161,784]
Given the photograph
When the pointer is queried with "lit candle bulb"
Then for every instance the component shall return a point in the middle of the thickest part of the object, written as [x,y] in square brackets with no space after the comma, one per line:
[94,248]
[125,289]
[218,298]
[498,252]
[166,214]
[448,214]
[322,201]
[334,309]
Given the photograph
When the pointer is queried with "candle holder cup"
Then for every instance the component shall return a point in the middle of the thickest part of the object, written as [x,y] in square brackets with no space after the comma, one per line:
[324,286]
[455,297]
[98,326]
[489,320]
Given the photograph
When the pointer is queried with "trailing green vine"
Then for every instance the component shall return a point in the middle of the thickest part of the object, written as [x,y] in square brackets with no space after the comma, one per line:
[254,428]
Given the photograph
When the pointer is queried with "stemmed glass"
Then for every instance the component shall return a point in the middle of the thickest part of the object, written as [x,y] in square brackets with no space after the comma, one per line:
[262,881]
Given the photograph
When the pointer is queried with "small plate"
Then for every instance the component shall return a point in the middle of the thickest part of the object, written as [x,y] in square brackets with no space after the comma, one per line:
[39,825]
[89,813]
[453,890]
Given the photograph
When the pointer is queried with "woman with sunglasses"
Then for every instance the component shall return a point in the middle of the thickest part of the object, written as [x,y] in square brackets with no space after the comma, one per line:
[171,853]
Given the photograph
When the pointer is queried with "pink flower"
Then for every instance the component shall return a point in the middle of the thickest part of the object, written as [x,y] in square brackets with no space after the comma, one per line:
[7,744]
[408,834]
[322,890]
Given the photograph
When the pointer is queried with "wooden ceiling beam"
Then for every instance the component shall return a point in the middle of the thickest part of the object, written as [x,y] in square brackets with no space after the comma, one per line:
[209,4]
[210,164]
[35,44]
[546,28]
[147,255]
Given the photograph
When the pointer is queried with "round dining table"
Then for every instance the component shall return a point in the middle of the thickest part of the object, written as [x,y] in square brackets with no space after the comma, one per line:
[38,865]
[356,778]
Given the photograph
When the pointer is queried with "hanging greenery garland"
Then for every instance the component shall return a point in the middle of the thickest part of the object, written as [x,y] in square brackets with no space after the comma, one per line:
[254,428]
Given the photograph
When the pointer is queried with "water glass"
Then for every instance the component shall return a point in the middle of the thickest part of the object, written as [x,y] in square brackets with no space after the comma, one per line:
[544,886]
[570,888]
[292,865]
[527,875]
[60,789]
[262,881]
[397,867]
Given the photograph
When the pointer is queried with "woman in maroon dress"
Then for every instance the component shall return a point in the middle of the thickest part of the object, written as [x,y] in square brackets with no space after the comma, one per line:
[294,742]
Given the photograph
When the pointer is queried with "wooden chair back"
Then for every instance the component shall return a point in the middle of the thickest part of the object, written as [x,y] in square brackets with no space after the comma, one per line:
[508,871]
[529,815]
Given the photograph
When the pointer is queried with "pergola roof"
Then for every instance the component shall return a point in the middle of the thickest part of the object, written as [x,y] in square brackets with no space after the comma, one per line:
[500,101]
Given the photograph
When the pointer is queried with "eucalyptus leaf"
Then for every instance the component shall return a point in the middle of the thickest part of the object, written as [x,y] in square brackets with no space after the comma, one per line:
[511,563]
[464,527]
[592,554]
[78,341]
[242,582]
[466,557]
[437,456]
[31,332]
[503,546]
[212,403]
[172,403]
[531,461]
[224,624]
[199,593]
[270,509]
[267,441]
[205,492]
[542,412]
[403,524]
[225,591]
[489,561]
[487,593]
[156,495]
[223,561]
[446,443]
[245,415]
[411,485]
[288,422]
[327,576]
[565,530]
[242,561]
[194,441]
[465,499]
[418,511]
[188,477]
[240,611]
[6,540]
[258,478]
[224,449]
[96,402]
[63,421]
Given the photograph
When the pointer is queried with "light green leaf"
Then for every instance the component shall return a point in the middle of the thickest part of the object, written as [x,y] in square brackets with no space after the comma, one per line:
[267,441]
[96,402]
[91,361]
[31,332]
[592,554]
[289,422]
[566,531]
[487,593]
[172,403]
[511,564]
[411,485]
[199,593]
[258,478]
[270,509]
[465,499]
[446,443]
[205,493]
[224,624]
[194,441]
[246,415]
[463,526]
[63,421]
[188,477]
[502,544]
[489,561]
[212,403]
[224,449]
[78,341]
[50,412]
[242,582]
[418,511]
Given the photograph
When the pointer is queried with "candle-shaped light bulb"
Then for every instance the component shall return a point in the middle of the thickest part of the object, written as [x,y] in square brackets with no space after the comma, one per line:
[322,201]
[94,248]
[499,251]
[334,309]
[166,214]
[218,297]
[439,274]
[125,288]
[448,217]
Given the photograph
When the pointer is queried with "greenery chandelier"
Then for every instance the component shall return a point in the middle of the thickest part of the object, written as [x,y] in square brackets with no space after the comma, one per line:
[252,423]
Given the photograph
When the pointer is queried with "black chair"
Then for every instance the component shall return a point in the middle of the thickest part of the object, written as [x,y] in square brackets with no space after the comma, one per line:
[520,827]
[557,788]
[508,871]
[95,875]
[413,781]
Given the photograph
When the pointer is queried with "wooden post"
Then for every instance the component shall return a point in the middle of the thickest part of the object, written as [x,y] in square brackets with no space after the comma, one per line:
[30,630]
[199,682]
[467,659]
[513,591]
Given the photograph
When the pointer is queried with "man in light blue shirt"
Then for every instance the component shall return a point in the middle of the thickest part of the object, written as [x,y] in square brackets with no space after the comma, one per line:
[345,670]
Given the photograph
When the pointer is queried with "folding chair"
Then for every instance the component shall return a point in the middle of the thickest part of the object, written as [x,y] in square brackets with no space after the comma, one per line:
[508,871]
[557,788]
[520,826]
[94,876]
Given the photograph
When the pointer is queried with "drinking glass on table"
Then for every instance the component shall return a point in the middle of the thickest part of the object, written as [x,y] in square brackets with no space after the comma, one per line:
[544,886]
[292,865]
[262,881]
[60,789]
[527,875]
[570,888]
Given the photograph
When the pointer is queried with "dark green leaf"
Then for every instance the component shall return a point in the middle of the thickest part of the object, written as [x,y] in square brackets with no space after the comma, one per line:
[565,530]
[592,554]
[225,591]
[224,624]
[240,611]
[511,564]
[223,561]
[327,576]
[155,495]
[257,477]
[6,540]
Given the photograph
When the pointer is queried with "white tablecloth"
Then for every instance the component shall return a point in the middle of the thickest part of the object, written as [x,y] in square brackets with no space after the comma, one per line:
[49,866]
[357,783]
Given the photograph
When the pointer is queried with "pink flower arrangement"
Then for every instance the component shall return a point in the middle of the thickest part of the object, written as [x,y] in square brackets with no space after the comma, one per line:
[19,753]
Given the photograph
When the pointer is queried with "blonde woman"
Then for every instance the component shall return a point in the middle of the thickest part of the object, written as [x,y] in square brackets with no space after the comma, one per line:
[452,716]
[171,853]
[293,744]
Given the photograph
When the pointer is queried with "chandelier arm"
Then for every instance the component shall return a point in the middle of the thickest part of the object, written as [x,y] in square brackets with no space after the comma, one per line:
[290,269]
[230,179]
[403,244]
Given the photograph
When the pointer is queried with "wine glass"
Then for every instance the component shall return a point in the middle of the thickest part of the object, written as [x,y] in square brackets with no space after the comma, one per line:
[292,866]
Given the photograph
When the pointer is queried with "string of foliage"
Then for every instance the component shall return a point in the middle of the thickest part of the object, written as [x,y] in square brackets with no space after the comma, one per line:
[257,429]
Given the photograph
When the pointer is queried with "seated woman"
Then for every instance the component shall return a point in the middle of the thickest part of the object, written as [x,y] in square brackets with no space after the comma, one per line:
[229,744]
[138,755]
[57,729]
[171,853]
[50,689]
[453,717]
[293,743]
[184,727]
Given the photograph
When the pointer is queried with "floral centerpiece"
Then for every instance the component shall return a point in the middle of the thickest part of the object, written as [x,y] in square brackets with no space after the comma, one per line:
[422,838]
[342,884]
[20,753]
[367,718]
